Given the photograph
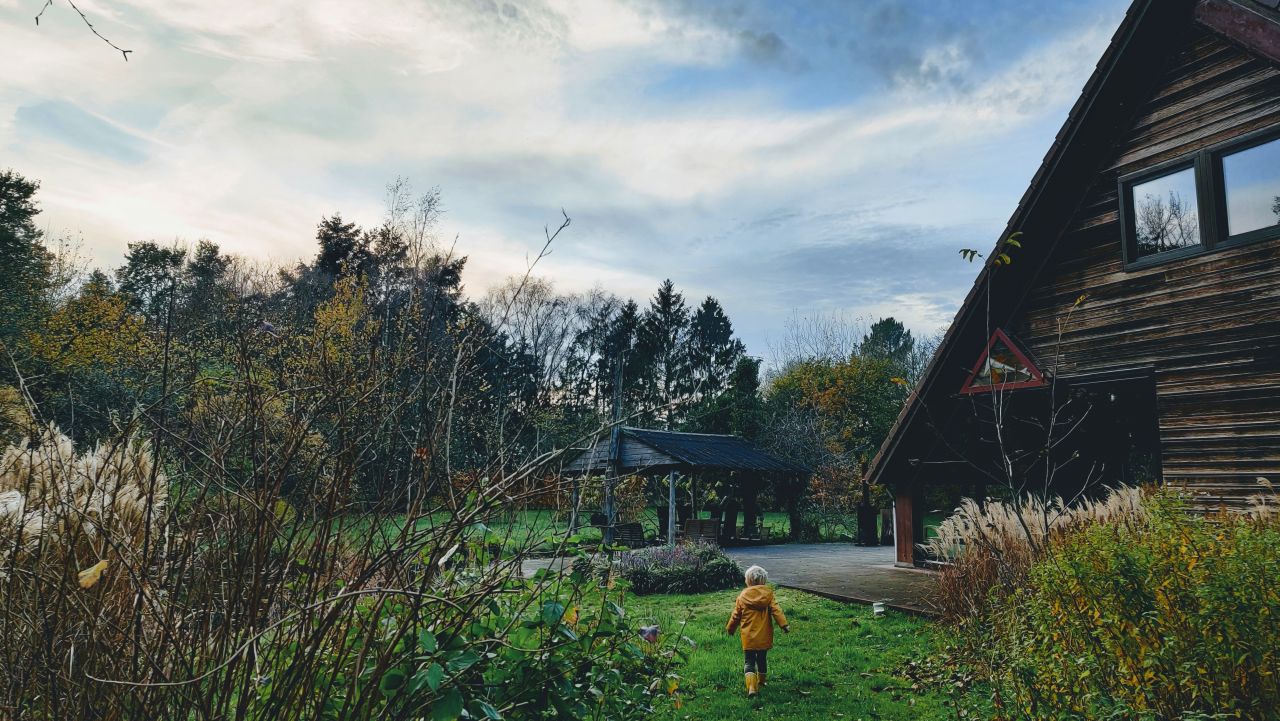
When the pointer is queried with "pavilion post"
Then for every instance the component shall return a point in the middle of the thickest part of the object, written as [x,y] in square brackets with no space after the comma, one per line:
[671,508]
[614,468]
[575,501]
[749,487]
[612,471]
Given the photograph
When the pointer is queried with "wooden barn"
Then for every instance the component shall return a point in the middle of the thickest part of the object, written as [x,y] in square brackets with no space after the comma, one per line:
[1130,331]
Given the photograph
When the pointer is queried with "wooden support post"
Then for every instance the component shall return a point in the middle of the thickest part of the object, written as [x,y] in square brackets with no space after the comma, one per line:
[574,500]
[614,468]
[749,483]
[610,478]
[903,528]
[671,508]
[730,508]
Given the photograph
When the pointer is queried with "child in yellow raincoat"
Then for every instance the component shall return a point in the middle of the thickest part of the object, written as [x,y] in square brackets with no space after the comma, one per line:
[755,612]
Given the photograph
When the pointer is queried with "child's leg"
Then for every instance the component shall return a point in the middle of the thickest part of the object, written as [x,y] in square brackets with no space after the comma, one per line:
[751,661]
[762,665]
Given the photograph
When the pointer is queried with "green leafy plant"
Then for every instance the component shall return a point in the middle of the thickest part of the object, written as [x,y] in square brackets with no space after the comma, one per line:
[531,651]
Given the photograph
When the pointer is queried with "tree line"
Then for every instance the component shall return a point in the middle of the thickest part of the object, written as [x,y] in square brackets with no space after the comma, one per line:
[177,332]
[373,338]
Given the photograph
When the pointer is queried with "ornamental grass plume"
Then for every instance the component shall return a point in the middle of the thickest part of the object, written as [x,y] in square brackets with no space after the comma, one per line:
[1026,526]
[57,505]
[79,541]
[992,545]
[1264,506]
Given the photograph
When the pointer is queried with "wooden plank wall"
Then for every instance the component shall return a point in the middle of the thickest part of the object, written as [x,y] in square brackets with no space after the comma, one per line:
[1208,326]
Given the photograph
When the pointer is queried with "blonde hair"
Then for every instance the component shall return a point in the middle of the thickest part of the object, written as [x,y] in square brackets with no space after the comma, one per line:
[757,576]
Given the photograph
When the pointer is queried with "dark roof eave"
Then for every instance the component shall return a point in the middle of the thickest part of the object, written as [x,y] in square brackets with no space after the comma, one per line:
[698,451]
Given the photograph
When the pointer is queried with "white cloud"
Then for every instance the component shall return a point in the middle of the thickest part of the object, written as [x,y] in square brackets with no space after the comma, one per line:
[257,118]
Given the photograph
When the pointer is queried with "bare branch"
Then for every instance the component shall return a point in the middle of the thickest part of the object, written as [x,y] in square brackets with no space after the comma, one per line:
[48,3]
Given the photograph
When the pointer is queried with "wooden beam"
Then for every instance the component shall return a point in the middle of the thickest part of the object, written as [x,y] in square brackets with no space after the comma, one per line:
[1247,24]
[904,529]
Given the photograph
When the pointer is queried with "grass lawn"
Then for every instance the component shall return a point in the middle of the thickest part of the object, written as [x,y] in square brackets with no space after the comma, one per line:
[839,662]
[931,521]
[528,530]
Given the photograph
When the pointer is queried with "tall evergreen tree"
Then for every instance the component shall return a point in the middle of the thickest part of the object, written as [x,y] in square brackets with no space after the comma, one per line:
[205,273]
[150,279]
[23,259]
[712,350]
[664,331]
[341,246]
[888,340]
[622,348]
[737,409]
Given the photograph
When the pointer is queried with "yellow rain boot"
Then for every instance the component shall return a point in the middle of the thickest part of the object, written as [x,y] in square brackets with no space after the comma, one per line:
[760,678]
[753,684]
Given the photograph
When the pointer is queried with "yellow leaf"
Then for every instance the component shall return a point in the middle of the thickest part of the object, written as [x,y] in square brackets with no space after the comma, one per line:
[90,575]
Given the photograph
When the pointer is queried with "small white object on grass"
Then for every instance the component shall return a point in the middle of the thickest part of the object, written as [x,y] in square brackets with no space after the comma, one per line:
[877,608]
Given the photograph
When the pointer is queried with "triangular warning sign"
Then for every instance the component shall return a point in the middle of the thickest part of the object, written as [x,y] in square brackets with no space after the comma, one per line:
[1002,366]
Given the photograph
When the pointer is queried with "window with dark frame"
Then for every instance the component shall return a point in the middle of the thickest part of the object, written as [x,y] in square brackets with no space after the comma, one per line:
[1251,188]
[1225,195]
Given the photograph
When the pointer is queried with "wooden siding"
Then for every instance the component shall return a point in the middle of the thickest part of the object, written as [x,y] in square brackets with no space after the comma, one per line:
[1208,327]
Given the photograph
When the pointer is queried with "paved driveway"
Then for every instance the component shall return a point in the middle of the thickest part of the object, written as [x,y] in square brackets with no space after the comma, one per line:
[842,571]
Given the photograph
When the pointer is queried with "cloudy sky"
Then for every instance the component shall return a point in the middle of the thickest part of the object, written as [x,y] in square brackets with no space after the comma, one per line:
[812,156]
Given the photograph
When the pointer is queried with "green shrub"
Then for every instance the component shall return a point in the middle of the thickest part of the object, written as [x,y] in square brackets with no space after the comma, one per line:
[686,568]
[1177,616]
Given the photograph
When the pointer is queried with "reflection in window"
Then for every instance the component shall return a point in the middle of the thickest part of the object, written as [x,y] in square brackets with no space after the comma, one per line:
[1165,213]
[1252,179]
[1002,366]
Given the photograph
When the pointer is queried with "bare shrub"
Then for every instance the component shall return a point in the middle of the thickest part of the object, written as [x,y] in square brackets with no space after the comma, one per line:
[299,524]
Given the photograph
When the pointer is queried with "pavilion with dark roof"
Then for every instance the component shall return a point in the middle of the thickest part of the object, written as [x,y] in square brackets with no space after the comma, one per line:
[641,451]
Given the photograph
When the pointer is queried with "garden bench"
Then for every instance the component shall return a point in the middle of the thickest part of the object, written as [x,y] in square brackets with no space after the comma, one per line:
[705,530]
[630,535]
